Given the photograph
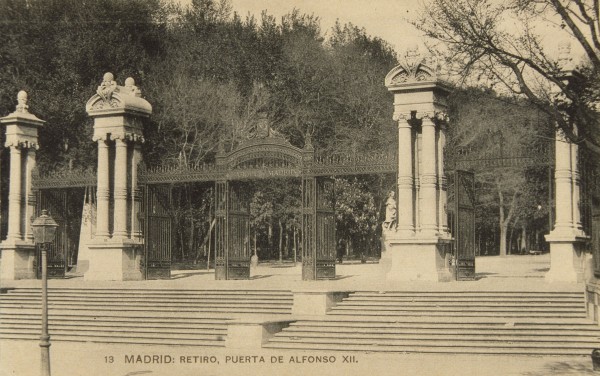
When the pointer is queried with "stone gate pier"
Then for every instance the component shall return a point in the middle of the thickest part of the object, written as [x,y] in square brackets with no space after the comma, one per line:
[18,250]
[116,250]
[417,247]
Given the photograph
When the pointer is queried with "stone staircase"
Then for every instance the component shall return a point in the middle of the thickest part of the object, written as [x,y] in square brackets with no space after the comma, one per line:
[524,323]
[143,316]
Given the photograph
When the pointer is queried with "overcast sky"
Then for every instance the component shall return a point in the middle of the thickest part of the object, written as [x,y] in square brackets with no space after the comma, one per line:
[386,19]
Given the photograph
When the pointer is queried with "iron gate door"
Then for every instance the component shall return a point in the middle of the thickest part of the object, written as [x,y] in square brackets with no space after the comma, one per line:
[318,228]
[464,224]
[238,223]
[157,229]
[232,232]
[55,201]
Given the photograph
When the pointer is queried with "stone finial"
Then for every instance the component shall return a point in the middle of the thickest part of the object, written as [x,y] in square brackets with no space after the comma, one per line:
[308,141]
[565,60]
[22,102]
[131,88]
[414,67]
[107,87]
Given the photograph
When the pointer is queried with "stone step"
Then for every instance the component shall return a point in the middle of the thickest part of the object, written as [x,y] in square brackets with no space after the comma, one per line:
[145,313]
[441,348]
[149,295]
[115,302]
[449,311]
[128,327]
[461,298]
[463,305]
[485,294]
[150,301]
[564,338]
[214,342]
[149,292]
[292,330]
[426,323]
[102,332]
[466,298]
[435,342]
[153,307]
[115,322]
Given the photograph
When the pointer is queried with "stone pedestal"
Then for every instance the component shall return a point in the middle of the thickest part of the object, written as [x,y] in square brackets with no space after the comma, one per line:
[417,247]
[315,302]
[18,260]
[251,334]
[116,250]
[566,258]
[385,262]
[418,259]
[114,260]
[18,250]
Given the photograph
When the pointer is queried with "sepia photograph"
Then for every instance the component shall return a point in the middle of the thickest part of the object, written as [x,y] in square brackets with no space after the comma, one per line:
[296,187]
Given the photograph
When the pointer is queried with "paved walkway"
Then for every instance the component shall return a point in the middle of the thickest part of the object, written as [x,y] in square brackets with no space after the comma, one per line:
[21,358]
[512,273]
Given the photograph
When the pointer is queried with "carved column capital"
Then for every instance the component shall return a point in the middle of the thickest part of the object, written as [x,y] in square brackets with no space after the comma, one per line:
[401,116]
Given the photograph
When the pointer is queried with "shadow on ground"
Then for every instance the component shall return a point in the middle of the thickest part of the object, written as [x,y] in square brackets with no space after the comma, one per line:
[565,368]
[186,275]
[261,276]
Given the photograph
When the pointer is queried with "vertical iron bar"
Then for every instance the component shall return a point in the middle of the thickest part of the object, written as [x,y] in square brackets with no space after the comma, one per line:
[45,338]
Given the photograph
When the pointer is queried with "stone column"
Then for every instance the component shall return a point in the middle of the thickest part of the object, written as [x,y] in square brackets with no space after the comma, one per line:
[428,181]
[567,238]
[405,204]
[575,188]
[30,199]
[18,250]
[442,183]
[117,112]
[120,192]
[14,194]
[102,191]
[136,231]
[563,185]
[418,89]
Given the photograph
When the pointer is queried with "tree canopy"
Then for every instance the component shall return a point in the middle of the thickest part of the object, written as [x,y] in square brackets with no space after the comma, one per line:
[519,45]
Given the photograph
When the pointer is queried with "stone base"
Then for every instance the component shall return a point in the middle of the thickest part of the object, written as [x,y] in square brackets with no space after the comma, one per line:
[17,260]
[416,259]
[385,262]
[251,335]
[82,266]
[114,260]
[566,258]
[311,302]
[592,300]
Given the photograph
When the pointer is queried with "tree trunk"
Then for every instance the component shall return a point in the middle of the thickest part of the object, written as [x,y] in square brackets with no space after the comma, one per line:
[510,240]
[286,245]
[347,247]
[295,245]
[503,234]
[255,243]
[280,241]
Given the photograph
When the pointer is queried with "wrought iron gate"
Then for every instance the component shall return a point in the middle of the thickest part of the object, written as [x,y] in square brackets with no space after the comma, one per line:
[63,206]
[318,228]
[464,225]
[232,229]
[157,225]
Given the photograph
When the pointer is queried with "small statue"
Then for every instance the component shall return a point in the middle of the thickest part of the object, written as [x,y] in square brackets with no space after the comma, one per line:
[130,86]
[22,102]
[390,212]
[107,87]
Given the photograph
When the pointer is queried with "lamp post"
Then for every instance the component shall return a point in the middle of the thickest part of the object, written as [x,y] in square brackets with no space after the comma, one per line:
[44,229]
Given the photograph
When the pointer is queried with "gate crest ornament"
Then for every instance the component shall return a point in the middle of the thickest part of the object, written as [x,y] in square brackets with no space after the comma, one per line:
[413,67]
[110,97]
